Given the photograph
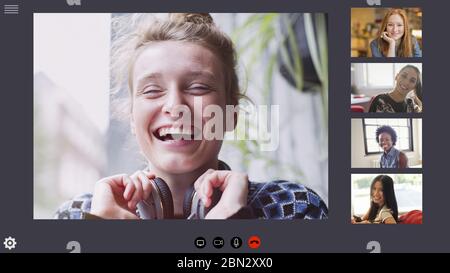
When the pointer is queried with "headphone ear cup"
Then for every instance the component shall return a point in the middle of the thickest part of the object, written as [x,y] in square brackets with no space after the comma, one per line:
[159,205]
[166,198]
[194,205]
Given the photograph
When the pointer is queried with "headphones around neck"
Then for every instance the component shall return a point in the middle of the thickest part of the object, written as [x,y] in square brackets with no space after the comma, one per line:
[159,205]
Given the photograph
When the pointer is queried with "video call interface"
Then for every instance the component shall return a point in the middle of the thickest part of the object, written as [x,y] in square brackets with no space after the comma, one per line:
[223,128]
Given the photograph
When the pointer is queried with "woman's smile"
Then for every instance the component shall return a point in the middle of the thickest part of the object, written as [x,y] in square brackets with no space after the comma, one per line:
[172,137]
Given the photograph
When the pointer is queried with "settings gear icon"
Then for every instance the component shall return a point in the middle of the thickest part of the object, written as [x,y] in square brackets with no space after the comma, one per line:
[10,243]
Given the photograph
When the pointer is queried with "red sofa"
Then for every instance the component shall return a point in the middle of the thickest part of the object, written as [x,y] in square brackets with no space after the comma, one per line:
[412,217]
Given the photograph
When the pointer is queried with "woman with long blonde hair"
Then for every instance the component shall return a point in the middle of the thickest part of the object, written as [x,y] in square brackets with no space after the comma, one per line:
[165,66]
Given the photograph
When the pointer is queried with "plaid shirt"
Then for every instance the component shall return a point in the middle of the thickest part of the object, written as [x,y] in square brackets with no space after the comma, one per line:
[273,200]
[390,160]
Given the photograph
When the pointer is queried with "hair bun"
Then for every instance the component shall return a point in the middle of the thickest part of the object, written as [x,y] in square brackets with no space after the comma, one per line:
[195,18]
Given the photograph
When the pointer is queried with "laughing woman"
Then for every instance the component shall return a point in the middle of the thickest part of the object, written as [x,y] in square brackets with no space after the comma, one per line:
[166,64]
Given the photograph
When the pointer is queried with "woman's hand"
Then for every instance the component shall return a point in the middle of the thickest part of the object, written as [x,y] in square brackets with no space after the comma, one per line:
[115,197]
[385,36]
[234,187]
[418,106]
[358,220]
[391,52]
[363,222]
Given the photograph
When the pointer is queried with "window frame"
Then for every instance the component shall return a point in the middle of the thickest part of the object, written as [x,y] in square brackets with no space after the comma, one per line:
[410,137]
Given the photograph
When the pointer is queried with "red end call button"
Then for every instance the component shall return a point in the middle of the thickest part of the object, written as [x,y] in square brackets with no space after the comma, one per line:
[254,242]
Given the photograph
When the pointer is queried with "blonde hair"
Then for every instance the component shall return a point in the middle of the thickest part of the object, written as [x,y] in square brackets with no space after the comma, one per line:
[133,32]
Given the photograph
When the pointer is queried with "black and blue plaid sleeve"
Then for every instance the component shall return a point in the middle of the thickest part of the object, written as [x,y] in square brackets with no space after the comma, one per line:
[74,208]
[285,200]
[273,200]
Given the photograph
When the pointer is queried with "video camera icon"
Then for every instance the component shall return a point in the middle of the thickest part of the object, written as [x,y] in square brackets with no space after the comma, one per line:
[218,242]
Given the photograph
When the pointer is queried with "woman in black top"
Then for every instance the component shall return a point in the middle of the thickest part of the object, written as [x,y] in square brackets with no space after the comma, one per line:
[396,101]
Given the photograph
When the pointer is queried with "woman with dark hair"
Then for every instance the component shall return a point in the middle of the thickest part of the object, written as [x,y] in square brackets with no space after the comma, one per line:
[391,158]
[408,81]
[383,204]
[394,38]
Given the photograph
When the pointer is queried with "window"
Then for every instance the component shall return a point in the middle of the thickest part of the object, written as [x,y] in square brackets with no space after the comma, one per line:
[378,75]
[402,126]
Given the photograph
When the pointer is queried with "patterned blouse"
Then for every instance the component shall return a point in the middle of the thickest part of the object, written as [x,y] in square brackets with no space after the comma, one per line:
[385,104]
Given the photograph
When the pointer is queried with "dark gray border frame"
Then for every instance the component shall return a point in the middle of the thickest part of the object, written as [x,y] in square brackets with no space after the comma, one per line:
[334,235]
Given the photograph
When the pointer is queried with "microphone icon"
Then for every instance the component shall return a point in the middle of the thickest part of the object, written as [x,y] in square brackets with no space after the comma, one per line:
[236,242]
